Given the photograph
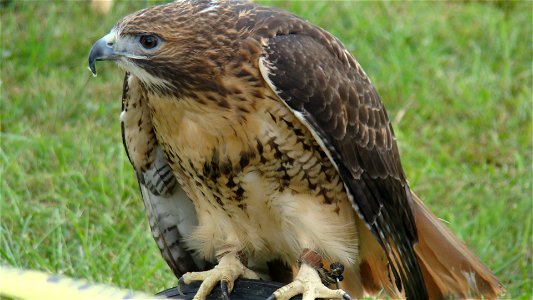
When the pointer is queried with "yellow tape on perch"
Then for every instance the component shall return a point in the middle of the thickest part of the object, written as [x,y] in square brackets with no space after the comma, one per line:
[26,284]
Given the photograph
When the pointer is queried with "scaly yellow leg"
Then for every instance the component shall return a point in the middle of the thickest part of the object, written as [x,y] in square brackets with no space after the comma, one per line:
[229,268]
[308,282]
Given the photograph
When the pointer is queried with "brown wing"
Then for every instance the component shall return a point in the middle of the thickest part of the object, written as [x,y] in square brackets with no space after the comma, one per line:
[170,212]
[328,91]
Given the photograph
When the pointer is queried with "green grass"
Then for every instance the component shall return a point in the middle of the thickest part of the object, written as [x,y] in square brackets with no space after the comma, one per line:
[456,79]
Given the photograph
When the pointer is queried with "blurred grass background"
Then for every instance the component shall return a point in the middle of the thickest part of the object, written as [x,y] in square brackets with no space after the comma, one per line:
[456,79]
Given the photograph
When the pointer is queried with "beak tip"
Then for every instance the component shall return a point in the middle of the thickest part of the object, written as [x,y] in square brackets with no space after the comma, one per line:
[92,68]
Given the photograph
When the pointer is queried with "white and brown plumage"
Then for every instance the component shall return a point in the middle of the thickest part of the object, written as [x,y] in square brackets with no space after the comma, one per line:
[256,134]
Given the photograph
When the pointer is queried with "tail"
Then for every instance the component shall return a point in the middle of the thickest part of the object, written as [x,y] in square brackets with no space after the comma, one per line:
[448,267]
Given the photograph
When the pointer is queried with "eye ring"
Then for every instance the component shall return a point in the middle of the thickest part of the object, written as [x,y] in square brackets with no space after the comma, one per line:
[149,41]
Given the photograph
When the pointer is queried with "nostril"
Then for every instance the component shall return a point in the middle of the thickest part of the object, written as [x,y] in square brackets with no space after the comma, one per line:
[109,44]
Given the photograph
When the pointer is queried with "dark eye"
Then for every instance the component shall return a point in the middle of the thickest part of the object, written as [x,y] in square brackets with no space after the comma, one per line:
[149,41]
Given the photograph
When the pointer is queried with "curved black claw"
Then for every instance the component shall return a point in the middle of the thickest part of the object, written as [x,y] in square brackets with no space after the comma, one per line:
[272,297]
[225,290]
[346,297]
[178,287]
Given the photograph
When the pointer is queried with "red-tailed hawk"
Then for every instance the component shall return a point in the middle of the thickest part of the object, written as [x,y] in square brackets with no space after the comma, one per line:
[259,141]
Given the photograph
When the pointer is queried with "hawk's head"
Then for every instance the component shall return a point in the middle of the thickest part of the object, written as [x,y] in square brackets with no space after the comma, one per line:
[170,47]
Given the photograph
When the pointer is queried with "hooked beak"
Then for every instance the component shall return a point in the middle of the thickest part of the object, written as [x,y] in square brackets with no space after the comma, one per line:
[101,50]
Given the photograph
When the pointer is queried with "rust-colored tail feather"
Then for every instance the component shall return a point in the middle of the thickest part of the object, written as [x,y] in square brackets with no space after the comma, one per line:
[449,268]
